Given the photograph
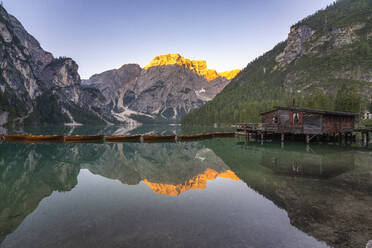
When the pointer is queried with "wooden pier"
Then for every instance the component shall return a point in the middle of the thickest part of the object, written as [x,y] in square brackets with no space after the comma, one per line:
[304,124]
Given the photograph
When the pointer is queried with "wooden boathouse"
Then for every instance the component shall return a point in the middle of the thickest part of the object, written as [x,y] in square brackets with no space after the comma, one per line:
[301,122]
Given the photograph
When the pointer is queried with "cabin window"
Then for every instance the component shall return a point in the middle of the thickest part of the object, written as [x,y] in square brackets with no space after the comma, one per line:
[275,120]
[296,118]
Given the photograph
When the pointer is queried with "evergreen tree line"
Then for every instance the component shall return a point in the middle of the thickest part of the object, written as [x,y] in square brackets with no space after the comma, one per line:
[347,99]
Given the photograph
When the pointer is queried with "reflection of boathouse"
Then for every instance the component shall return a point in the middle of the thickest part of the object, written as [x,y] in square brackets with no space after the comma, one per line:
[325,164]
[301,121]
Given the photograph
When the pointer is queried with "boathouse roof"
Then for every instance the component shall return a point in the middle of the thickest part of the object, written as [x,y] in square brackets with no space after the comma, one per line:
[309,110]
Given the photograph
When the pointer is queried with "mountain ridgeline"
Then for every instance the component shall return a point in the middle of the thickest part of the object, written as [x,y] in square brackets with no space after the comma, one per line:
[166,89]
[326,63]
[36,88]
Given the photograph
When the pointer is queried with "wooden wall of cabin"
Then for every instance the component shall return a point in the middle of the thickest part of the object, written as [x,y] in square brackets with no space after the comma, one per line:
[285,122]
[268,117]
[312,123]
[283,117]
[338,124]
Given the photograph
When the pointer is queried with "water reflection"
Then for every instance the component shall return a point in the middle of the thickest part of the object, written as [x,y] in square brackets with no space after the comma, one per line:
[198,182]
[110,130]
[27,175]
[335,209]
[325,163]
[325,191]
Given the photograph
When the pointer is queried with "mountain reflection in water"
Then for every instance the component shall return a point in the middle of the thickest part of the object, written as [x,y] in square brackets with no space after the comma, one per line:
[325,192]
[198,182]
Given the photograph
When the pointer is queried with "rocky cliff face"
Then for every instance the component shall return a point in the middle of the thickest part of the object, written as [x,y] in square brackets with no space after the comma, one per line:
[295,45]
[113,84]
[37,88]
[305,43]
[166,89]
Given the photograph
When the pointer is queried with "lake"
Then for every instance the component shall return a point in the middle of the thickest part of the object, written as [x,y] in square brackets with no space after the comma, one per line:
[221,192]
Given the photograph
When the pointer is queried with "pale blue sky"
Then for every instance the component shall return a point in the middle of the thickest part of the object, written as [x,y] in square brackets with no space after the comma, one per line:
[102,35]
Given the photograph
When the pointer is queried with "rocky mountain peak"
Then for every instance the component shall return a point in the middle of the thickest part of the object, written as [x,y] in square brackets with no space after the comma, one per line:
[198,66]
[61,72]
[229,75]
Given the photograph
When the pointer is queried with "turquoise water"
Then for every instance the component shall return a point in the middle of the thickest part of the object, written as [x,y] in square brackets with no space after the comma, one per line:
[223,192]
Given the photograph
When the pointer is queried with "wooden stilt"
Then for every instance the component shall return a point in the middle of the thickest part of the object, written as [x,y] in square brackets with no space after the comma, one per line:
[282,137]
[367,138]
[307,139]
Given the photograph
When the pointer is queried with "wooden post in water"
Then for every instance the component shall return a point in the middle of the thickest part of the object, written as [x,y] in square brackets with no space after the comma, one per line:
[350,135]
[307,139]
[282,137]
[367,138]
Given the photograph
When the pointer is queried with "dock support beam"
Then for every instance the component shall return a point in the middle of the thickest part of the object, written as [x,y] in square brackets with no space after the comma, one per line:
[282,137]
[307,139]
[367,138]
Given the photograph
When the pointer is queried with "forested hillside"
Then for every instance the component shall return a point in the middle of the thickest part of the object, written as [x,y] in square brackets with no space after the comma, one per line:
[326,63]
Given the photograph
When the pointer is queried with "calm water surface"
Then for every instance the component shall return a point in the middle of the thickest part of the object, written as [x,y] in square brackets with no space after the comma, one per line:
[224,192]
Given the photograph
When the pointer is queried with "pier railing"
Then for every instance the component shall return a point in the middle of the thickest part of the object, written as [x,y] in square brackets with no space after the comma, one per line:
[249,126]
[257,127]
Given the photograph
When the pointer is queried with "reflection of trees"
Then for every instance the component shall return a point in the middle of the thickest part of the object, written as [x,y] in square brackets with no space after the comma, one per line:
[27,175]
[332,205]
